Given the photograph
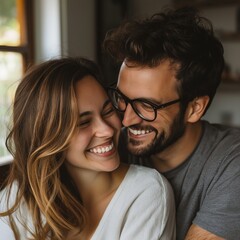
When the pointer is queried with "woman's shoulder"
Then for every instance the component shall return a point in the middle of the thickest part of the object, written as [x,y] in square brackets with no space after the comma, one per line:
[147,177]
[21,215]
[140,171]
[149,187]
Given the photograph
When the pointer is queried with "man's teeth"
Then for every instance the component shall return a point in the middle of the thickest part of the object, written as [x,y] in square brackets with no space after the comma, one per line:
[138,132]
[102,149]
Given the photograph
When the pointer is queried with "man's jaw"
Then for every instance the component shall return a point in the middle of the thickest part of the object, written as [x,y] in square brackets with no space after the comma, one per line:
[141,139]
[138,138]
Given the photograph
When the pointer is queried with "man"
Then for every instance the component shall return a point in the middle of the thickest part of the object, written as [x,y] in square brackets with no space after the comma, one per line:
[171,67]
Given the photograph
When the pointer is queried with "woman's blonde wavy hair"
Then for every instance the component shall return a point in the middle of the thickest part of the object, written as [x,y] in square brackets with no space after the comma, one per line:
[45,117]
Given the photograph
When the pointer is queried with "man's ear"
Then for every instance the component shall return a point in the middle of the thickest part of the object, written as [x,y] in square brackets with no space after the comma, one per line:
[196,108]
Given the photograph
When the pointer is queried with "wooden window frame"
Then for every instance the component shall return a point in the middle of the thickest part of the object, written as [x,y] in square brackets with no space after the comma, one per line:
[25,14]
[26,47]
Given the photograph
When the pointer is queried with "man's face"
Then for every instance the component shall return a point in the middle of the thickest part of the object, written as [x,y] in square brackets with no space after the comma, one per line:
[159,86]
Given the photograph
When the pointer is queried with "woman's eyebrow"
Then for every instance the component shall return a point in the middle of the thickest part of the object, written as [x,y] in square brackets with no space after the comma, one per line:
[85,114]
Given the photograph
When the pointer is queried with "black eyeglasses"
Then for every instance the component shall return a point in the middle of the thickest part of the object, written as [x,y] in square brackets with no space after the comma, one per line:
[144,108]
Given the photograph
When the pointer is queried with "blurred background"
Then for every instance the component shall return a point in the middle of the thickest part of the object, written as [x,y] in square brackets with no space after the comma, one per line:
[32,31]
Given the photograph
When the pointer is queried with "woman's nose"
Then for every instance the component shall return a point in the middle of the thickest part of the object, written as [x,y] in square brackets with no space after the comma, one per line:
[103,128]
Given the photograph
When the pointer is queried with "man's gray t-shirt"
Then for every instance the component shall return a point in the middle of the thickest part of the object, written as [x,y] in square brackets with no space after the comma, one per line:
[207,184]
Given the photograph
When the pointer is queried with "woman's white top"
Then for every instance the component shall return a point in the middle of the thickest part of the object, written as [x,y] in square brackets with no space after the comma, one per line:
[142,208]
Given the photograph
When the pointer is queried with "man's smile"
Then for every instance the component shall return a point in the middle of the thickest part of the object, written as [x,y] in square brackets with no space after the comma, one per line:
[139,132]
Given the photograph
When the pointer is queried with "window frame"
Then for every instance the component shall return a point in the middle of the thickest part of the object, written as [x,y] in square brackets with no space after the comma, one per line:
[25,10]
[26,48]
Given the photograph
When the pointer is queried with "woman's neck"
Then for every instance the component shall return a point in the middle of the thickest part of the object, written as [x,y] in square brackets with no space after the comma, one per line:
[97,190]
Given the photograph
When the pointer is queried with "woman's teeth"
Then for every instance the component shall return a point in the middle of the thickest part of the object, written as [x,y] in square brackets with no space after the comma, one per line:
[138,132]
[102,149]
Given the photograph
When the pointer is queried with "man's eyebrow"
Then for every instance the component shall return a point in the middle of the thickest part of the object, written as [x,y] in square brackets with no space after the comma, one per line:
[148,99]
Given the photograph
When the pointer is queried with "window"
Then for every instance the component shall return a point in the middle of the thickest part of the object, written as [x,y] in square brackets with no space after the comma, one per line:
[16,53]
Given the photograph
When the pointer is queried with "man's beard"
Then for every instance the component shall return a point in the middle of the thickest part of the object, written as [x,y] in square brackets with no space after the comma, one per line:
[160,142]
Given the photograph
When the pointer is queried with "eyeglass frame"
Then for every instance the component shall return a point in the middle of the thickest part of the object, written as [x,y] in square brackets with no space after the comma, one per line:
[131,101]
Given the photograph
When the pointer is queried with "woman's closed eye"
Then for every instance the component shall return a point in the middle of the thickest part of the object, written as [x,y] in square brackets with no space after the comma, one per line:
[84,123]
[85,119]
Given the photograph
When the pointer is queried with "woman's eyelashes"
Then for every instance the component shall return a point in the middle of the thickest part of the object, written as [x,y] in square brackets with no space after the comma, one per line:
[84,123]
[106,113]
[87,117]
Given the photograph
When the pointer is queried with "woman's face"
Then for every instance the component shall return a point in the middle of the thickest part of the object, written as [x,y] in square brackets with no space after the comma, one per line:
[94,144]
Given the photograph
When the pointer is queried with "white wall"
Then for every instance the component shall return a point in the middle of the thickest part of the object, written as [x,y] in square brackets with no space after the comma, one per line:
[47,29]
[64,27]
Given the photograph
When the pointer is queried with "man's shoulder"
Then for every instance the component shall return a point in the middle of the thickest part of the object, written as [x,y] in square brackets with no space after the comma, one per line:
[220,138]
[226,131]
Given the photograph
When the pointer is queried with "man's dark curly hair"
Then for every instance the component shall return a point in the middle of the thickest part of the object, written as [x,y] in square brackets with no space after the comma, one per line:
[181,36]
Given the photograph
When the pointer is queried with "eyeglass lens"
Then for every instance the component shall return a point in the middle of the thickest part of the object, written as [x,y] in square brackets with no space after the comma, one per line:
[143,109]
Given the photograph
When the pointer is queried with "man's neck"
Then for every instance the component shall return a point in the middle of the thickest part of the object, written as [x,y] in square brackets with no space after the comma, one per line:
[178,152]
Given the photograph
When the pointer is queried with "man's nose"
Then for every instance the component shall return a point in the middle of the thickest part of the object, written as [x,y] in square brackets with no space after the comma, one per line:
[130,117]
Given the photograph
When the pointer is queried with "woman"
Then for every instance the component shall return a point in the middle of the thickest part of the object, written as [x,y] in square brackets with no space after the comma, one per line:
[66,180]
